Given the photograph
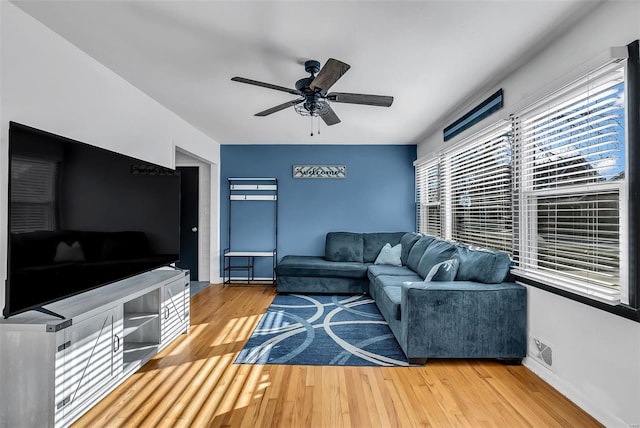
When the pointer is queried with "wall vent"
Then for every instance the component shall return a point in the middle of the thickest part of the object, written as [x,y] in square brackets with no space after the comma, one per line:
[541,350]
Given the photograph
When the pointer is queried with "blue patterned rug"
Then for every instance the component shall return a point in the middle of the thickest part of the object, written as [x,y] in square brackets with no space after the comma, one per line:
[322,330]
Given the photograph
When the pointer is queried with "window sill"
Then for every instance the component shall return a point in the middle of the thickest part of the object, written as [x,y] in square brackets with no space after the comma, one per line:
[609,296]
[621,310]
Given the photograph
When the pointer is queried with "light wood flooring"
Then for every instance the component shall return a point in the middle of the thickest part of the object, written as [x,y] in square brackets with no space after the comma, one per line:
[194,383]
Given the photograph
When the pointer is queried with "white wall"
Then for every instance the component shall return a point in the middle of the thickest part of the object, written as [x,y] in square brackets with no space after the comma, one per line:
[596,355]
[47,83]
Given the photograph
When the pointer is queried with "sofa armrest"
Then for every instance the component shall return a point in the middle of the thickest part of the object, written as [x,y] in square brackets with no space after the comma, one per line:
[464,319]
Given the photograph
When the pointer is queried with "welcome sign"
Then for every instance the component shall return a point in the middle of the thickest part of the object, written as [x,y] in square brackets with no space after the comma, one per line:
[319,171]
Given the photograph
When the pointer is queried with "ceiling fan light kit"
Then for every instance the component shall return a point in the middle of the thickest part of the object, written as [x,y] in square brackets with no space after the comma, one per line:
[314,101]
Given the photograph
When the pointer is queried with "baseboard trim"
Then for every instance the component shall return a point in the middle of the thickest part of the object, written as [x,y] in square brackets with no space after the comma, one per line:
[603,415]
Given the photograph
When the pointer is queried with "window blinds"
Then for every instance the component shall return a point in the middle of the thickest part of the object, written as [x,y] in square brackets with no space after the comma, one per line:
[478,177]
[428,214]
[571,169]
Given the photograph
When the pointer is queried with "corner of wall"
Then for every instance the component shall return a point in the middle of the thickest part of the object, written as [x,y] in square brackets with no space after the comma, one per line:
[577,396]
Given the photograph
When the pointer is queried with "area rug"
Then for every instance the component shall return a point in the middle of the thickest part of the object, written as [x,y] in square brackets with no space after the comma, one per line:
[322,330]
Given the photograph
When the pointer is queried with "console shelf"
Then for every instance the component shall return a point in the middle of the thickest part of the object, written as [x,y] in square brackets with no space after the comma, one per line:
[133,321]
[65,367]
[136,354]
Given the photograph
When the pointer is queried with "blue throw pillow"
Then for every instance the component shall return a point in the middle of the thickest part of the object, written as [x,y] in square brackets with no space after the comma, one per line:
[389,255]
[444,271]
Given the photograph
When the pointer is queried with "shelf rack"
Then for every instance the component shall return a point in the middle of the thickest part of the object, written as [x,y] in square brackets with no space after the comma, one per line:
[250,189]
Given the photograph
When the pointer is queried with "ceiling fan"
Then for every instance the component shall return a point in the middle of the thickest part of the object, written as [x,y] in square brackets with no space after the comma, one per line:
[313,99]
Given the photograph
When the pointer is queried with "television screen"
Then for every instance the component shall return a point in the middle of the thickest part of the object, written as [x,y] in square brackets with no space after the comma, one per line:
[81,217]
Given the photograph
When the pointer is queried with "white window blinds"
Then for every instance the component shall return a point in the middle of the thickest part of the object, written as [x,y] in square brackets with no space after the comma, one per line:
[570,181]
[32,195]
[478,179]
[428,198]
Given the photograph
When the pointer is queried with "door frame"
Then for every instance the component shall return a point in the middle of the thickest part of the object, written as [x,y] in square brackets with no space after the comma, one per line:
[208,227]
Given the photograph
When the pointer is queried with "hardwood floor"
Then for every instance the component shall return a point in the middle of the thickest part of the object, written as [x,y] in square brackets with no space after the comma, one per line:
[194,383]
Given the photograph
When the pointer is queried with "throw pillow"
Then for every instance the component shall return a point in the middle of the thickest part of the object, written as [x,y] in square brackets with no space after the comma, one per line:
[69,253]
[444,271]
[389,255]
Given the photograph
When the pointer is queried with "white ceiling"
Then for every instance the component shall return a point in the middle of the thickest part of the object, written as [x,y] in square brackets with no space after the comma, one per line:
[432,56]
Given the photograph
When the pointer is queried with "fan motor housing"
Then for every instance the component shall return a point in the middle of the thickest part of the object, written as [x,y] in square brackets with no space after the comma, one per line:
[312,66]
[303,84]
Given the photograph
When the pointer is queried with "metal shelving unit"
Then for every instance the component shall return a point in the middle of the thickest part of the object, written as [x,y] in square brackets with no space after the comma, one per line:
[250,189]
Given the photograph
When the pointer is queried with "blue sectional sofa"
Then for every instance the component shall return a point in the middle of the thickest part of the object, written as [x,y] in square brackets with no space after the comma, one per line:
[466,308]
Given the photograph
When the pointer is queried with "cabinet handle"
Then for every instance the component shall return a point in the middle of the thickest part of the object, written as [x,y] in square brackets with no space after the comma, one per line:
[117,344]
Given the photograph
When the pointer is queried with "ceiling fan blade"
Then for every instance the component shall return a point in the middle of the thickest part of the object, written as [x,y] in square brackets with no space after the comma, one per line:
[329,74]
[265,85]
[330,117]
[279,107]
[366,99]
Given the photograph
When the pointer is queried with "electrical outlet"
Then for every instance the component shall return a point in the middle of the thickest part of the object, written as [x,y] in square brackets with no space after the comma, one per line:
[541,350]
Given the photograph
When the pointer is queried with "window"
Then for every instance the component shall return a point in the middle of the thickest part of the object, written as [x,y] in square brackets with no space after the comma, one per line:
[428,198]
[553,188]
[32,195]
[570,186]
[465,194]
[478,176]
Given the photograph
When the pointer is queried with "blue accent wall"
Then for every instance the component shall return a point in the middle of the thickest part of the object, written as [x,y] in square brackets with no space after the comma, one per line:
[378,195]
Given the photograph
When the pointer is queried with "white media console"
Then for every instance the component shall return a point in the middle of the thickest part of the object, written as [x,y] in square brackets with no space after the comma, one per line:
[53,370]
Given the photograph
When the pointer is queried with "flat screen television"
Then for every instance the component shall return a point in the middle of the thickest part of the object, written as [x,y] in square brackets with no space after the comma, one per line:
[81,217]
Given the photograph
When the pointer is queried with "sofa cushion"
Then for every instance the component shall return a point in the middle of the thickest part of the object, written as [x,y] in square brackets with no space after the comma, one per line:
[319,267]
[321,285]
[373,243]
[389,255]
[379,283]
[389,302]
[377,270]
[482,265]
[408,240]
[417,252]
[395,280]
[444,271]
[437,251]
[344,247]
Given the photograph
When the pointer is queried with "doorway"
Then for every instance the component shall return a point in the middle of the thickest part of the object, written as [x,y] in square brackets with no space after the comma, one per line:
[205,190]
[189,209]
